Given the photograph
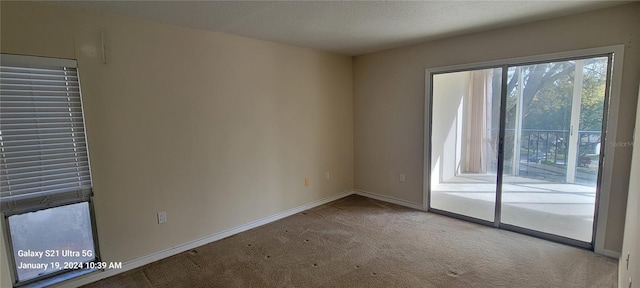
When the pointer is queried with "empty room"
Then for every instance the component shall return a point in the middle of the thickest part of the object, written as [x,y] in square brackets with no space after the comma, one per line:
[319,144]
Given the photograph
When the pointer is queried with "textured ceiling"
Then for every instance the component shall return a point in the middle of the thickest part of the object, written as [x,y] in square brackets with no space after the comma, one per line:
[345,27]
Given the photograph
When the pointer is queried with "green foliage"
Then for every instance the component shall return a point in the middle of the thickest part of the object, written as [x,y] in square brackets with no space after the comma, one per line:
[548,94]
[550,108]
[594,84]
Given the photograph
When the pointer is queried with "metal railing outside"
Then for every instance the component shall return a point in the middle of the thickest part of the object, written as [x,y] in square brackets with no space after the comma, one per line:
[543,154]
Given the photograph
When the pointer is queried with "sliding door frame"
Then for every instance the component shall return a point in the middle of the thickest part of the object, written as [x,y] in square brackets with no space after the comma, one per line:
[612,95]
[428,137]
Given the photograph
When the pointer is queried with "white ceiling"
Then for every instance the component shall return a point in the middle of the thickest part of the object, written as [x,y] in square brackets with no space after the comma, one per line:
[345,27]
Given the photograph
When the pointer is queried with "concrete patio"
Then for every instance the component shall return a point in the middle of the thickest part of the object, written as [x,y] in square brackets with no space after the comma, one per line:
[556,208]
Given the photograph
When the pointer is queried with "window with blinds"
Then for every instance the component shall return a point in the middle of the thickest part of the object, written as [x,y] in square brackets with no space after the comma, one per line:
[45,182]
[43,152]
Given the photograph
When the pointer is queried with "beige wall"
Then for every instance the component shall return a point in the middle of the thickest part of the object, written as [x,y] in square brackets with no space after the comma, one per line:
[219,130]
[214,129]
[450,95]
[390,96]
[631,244]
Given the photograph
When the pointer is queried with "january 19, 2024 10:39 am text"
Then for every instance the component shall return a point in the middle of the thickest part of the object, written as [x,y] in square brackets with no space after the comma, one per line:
[26,260]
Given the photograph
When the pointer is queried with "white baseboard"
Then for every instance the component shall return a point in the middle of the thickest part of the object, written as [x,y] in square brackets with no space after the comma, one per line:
[129,265]
[609,253]
[389,199]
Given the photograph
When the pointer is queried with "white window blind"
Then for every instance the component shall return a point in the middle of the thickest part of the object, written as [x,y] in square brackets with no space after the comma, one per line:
[43,153]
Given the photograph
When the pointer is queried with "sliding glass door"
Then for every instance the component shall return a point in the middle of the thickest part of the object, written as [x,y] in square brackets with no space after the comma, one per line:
[518,146]
[552,145]
[464,142]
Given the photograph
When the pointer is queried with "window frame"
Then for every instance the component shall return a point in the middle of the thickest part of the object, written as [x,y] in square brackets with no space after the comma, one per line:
[606,177]
[57,276]
[64,274]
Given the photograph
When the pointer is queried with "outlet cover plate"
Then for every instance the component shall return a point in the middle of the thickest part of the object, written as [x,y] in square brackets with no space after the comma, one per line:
[162,217]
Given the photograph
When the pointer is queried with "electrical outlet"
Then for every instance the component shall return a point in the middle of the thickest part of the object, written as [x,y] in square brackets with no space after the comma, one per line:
[402,177]
[307,182]
[162,217]
[326,176]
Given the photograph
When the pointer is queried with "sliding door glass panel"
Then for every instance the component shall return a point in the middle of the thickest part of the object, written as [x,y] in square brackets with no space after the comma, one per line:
[464,142]
[552,141]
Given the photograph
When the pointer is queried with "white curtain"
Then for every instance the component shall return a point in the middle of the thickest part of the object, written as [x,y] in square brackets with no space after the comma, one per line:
[478,115]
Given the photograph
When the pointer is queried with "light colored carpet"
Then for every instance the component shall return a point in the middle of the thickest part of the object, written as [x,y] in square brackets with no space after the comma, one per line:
[360,242]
